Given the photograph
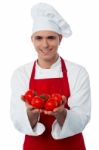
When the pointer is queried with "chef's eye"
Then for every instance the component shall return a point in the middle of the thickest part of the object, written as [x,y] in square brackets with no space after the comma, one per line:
[38,37]
[51,37]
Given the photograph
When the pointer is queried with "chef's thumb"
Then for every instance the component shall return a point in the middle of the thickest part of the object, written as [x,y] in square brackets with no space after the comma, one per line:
[64,99]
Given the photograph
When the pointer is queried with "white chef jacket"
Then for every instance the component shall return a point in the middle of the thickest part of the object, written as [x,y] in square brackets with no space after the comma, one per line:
[79,101]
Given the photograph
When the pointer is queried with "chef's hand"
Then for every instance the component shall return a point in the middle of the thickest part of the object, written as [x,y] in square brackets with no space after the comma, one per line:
[33,114]
[60,112]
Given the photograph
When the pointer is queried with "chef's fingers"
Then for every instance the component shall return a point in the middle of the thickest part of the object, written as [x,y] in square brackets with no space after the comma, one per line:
[58,109]
[28,105]
[48,112]
[31,108]
[22,98]
[36,110]
[64,99]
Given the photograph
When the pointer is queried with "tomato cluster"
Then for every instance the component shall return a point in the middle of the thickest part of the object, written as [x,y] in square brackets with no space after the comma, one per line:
[43,101]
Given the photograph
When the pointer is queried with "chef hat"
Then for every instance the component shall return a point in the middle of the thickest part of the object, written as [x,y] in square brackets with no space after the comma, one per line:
[45,17]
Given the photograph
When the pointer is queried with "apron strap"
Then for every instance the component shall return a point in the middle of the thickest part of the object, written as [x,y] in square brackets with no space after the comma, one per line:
[32,74]
[64,69]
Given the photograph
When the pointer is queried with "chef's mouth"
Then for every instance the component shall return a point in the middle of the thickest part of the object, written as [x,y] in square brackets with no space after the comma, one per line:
[45,51]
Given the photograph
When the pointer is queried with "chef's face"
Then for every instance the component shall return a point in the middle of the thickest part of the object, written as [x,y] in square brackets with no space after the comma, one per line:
[46,44]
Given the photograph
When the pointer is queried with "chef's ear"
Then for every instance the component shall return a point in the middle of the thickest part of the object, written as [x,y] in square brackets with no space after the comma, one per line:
[60,38]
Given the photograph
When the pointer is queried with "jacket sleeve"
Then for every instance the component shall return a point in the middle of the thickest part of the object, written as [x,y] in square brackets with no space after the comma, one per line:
[80,107]
[19,84]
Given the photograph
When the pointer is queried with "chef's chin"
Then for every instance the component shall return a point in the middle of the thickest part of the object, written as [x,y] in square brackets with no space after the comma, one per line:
[49,57]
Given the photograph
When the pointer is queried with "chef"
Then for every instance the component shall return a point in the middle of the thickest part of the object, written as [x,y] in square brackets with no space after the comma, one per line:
[60,129]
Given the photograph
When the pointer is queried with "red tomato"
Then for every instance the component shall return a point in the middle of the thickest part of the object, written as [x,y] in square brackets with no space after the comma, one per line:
[28,96]
[57,97]
[51,104]
[37,102]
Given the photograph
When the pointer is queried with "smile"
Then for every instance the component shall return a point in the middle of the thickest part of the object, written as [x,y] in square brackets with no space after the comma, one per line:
[45,52]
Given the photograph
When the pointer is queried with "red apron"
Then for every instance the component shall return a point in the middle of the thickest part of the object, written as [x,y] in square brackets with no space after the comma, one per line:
[45,141]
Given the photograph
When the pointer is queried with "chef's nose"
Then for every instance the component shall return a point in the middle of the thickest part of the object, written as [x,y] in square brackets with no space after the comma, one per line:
[45,44]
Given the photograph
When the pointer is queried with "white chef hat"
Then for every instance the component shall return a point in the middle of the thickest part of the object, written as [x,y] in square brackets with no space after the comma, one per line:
[45,17]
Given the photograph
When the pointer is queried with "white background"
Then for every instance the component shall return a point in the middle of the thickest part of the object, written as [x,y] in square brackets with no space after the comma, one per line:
[16,49]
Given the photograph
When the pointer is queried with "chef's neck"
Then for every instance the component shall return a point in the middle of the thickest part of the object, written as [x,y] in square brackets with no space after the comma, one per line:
[47,63]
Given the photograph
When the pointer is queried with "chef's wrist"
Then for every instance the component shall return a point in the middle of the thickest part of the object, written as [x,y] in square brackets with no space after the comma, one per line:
[33,118]
[61,117]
